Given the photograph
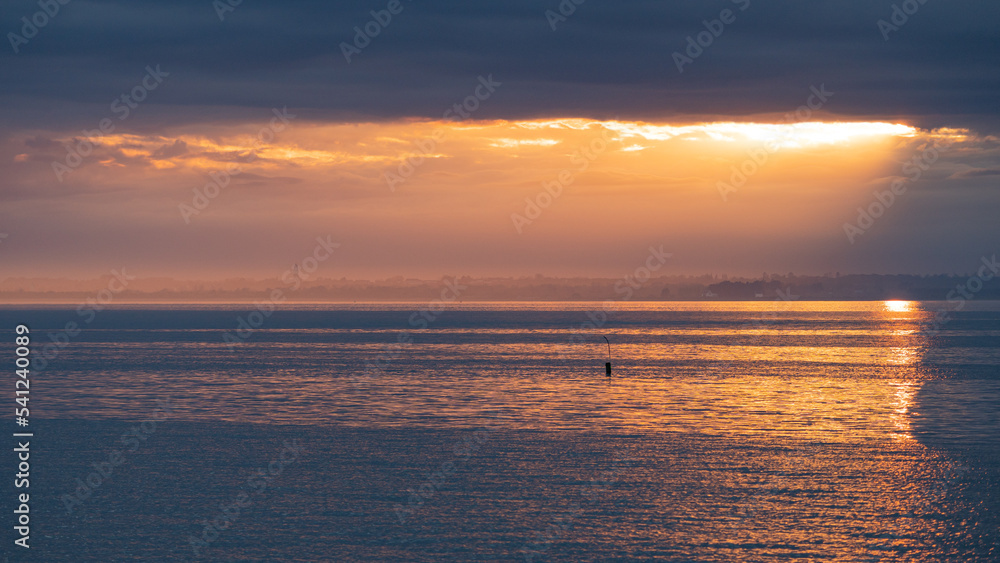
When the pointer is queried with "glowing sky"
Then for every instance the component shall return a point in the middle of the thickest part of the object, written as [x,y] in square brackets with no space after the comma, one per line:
[591,123]
[431,196]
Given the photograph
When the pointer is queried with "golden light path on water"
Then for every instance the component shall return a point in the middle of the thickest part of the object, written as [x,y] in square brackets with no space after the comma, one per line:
[830,371]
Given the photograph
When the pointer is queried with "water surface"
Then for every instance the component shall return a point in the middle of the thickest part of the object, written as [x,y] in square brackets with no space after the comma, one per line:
[730,431]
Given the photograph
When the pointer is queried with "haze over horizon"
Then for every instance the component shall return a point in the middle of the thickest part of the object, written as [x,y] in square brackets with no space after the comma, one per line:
[508,142]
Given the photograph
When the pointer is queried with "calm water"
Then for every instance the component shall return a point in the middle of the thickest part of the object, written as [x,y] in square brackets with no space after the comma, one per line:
[730,431]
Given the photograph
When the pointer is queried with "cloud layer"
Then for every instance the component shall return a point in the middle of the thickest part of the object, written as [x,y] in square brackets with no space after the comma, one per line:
[417,133]
[606,60]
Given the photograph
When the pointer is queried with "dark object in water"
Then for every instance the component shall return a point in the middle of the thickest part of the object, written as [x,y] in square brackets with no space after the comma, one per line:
[607,365]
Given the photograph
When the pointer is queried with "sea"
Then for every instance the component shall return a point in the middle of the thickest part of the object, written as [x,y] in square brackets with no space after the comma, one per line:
[727,431]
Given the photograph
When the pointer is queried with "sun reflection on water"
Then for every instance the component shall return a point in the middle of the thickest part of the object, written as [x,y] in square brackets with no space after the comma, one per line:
[898,306]
[905,391]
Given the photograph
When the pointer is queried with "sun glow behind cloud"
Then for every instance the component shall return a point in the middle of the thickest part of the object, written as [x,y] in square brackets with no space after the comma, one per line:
[624,184]
[326,145]
[786,135]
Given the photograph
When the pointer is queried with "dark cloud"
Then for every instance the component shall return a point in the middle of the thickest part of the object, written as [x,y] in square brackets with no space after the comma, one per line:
[607,59]
[977,173]
[251,179]
[177,148]
[40,143]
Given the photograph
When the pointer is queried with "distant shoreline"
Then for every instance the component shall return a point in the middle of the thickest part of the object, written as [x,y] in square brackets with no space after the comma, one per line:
[788,287]
[624,304]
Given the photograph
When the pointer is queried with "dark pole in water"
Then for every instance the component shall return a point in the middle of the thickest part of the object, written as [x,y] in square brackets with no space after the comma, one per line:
[607,365]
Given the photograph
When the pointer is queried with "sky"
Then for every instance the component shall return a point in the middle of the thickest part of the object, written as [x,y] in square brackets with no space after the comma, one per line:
[205,140]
